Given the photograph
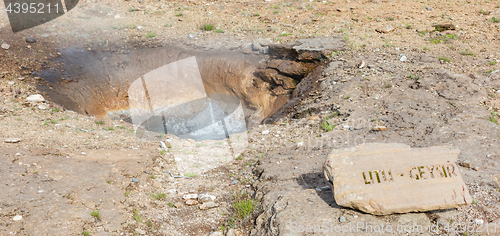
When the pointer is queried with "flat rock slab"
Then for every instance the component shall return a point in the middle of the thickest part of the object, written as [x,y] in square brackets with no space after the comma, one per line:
[386,178]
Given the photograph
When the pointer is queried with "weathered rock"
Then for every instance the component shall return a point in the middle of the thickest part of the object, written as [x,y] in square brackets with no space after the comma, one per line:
[272,76]
[312,49]
[191,202]
[234,232]
[290,68]
[178,204]
[17,218]
[256,47]
[381,179]
[30,39]
[379,128]
[35,98]
[217,233]
[497,178]
[465,164]
[443,27]
[206,198]
[5,46]
[139,231]
[12,140]
[386,29]
[190,196]
[208,205]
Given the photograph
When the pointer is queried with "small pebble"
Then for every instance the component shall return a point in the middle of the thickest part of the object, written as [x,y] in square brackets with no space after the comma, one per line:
[135,180]
[403,59]
[30,39]
[265,132]
[234,182]
[5,46]
[17,218]
[342,219]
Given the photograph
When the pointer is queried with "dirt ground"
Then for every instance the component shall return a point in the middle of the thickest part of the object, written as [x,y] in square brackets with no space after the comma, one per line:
[71,174]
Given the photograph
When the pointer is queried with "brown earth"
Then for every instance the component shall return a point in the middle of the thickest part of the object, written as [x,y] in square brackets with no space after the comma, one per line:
[68,165]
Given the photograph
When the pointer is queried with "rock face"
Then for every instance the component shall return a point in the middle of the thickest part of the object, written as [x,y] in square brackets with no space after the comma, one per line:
[381,179]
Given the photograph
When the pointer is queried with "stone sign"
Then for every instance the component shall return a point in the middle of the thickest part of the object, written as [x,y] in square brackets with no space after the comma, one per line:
[386,178]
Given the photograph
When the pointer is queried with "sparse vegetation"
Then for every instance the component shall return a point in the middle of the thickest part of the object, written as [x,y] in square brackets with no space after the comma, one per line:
[445,59]
[137,217]
[190,174]
[243,208]
[208,27]
[492,63]
[219,31]
[327,126]
[443,38]
[467,52]
[96,214]
[493,117]
[159,196]
[151,35]
[85,233]
[495,19]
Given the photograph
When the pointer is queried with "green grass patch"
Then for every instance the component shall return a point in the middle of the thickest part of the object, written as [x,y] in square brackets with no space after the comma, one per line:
[493,117]
[467,52]
[495,19]
[208,27]
[492,63]
[190,174]
[85,233]
[445,59]
[151,35]
[285,34]
[327,126]
[219,31]
[443,38]
[136,215]
[243,208]
[96,214]
[159,196]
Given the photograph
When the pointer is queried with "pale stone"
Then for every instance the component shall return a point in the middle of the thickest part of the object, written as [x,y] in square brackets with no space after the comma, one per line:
[35,98]
[17,218]
[190,196]
[12,140]
[386,178]
[191,202]
[208,205]
[206,198]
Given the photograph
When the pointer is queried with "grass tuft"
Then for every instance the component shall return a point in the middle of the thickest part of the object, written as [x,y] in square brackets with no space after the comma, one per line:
[244,208]
[445,59]
[208,27]
[96,214]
